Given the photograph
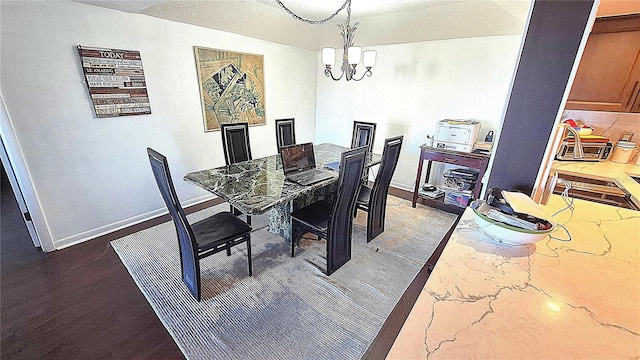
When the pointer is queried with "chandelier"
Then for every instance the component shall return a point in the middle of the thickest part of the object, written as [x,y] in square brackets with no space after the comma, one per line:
[351,55]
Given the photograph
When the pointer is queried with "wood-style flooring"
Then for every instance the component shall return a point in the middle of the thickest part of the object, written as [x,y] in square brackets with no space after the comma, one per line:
[76,303]
[81,303]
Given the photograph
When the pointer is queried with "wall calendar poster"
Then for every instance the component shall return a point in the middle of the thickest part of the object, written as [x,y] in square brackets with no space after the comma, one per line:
[116,83]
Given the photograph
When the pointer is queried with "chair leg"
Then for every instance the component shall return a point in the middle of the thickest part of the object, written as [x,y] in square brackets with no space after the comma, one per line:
[234,211]
[375,223]
[199,290]
[296,233]
[228,251]
[237,212]
[249,253]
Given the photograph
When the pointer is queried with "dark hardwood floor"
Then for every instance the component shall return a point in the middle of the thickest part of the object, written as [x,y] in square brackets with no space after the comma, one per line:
[76,303]
[81,302]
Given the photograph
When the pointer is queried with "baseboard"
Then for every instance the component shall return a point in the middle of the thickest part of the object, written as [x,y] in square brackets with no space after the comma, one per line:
[401,193]
[137,222]
[152,218]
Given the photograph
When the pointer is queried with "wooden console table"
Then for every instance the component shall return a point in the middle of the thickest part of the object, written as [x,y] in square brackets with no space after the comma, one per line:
[474,161]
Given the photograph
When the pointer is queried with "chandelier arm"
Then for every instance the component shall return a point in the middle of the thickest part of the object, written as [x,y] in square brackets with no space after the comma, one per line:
[368,73]
[298,17]
[329,73]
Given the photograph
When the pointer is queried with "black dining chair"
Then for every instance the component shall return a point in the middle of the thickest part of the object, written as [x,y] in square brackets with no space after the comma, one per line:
[334,222]
[285,132]
[373,200]
[206,237]
[236,146]
[235,142]
[363,134]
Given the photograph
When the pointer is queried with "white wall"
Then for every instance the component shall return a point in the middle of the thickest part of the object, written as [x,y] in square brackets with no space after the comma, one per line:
[415,85]
[91,175]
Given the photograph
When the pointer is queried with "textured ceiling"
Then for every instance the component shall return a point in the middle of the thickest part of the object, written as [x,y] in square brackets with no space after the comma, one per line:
[382,22]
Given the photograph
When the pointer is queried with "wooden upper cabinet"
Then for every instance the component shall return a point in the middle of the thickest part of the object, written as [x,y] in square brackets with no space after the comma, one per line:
[608,77]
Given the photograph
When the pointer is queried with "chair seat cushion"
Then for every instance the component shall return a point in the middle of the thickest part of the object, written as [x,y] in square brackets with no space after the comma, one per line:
[315,215]
[218,229]
[364,195]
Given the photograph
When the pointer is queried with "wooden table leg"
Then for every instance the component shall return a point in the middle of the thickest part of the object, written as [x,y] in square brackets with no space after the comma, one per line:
[418,175]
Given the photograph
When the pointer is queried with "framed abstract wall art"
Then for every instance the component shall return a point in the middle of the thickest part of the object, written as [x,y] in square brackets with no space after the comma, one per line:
[116,82]
[231,87]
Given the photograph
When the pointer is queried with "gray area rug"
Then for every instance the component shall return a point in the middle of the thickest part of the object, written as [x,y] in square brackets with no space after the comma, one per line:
[289,309]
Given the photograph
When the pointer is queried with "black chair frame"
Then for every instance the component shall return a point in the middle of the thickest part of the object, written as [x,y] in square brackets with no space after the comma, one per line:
[285,133]
[334,222]
[196,241]
[364,133]
[235,142]
[237,148]
[374,200]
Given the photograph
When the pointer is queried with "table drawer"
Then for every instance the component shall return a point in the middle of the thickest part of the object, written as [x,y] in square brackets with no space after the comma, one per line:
[451,159]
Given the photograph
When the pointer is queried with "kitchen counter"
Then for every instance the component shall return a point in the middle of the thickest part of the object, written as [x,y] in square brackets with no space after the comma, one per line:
[549,300]
[605,170]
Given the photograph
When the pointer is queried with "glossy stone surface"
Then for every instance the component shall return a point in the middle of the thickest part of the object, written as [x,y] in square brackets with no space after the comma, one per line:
[605,170]
[258,185]
[555,299]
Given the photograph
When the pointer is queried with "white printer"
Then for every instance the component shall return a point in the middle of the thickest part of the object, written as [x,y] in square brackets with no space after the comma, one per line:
[458,135]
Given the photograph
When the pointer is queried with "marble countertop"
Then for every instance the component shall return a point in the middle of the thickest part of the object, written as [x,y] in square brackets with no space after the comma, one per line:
[605,170]
[257,185]
[550,300]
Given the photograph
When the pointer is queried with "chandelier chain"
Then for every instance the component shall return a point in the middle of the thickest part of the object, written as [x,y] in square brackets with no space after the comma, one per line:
[346,4]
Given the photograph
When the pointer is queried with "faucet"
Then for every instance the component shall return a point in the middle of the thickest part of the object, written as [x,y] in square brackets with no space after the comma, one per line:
[578,153]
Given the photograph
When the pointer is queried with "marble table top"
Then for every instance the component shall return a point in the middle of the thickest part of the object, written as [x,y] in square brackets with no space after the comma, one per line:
[577,299]
[257,185]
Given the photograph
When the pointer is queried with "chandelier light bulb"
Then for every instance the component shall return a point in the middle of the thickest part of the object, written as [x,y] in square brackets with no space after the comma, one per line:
[328,56]
[369,58]
[354,54]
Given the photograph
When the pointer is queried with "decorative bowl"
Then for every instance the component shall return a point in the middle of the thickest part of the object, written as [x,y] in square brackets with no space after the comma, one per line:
[508,234]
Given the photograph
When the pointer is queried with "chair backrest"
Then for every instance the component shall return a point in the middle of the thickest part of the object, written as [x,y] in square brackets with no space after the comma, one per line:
[235,142]
[352,165]
[186,239]
[378,197]
[363,134]
[285,132]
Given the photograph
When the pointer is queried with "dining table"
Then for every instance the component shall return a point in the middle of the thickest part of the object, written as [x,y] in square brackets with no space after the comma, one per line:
[258,186]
